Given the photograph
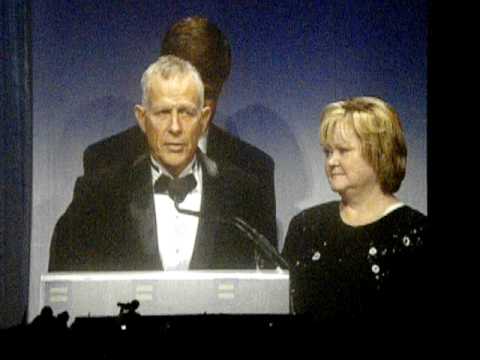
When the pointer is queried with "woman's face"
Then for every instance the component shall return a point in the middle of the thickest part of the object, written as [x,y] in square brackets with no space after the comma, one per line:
[346,169]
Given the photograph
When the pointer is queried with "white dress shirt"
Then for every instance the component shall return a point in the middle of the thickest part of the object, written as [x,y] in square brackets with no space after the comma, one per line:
[176,232]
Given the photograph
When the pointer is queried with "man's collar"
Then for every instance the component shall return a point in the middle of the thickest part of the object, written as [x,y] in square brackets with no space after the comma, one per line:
[202,142]
[159,169]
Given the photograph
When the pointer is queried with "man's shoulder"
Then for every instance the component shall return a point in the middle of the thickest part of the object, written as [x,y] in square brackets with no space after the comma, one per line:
[222,144]
[114,151]
[231,173]
[131,136]
[113,179]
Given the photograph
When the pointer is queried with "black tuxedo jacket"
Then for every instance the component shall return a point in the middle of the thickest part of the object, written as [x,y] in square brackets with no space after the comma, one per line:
[123,148]
[110,223]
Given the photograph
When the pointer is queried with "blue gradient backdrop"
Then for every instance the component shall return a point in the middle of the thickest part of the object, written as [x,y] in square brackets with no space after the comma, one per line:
[290,58]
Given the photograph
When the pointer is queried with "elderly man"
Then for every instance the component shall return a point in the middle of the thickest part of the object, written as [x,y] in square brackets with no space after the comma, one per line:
[200,42]
[127,219]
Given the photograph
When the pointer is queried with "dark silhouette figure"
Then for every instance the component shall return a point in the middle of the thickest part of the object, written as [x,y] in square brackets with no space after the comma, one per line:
[128,317]
[47,328]
[46,321]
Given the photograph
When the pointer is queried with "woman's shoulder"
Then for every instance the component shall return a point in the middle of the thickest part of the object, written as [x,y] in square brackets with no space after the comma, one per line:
[408,226]
[406,216]
[317,212]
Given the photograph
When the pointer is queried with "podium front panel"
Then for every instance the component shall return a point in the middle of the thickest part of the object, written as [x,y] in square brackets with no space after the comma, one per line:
[167,292]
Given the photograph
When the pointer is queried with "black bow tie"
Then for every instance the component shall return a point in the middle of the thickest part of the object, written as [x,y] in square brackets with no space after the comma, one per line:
[177,188]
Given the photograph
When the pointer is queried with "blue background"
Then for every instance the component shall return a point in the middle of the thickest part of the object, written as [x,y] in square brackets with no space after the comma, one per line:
[290,58]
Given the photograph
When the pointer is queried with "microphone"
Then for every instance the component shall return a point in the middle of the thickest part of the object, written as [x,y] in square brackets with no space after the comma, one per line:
[260,241]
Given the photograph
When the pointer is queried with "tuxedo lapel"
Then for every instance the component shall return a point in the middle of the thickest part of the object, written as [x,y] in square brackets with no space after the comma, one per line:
[142,230]
[204,250]
[216,199]
[218,244]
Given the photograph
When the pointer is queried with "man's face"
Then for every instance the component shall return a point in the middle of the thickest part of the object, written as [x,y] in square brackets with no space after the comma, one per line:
[173,121]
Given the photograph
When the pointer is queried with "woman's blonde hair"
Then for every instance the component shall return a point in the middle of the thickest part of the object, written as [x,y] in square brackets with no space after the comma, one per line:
[378,126]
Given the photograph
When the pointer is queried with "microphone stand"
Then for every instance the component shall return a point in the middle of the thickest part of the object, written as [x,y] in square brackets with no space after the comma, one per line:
[261,241]
[258,239]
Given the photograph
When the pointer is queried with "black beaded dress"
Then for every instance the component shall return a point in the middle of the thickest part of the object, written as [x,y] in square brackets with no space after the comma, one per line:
[342,272]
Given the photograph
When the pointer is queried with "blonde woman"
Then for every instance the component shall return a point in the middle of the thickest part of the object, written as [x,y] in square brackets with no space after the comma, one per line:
[360,257]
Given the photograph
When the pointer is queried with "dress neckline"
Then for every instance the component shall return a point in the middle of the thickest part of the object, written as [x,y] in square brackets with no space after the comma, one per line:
[390,209]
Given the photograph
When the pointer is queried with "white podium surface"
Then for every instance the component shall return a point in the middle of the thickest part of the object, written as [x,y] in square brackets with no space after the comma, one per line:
[167,292]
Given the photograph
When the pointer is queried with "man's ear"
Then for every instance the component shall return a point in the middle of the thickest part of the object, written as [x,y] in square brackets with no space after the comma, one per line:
[139,111]
[206,118]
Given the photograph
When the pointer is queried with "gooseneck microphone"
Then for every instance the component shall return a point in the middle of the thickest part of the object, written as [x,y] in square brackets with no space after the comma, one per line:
[260,241]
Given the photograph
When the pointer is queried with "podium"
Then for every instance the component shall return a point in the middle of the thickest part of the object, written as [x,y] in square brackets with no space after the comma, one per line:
[94,294]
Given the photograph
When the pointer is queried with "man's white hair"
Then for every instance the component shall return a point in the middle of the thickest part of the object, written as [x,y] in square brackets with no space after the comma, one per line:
[169,67]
